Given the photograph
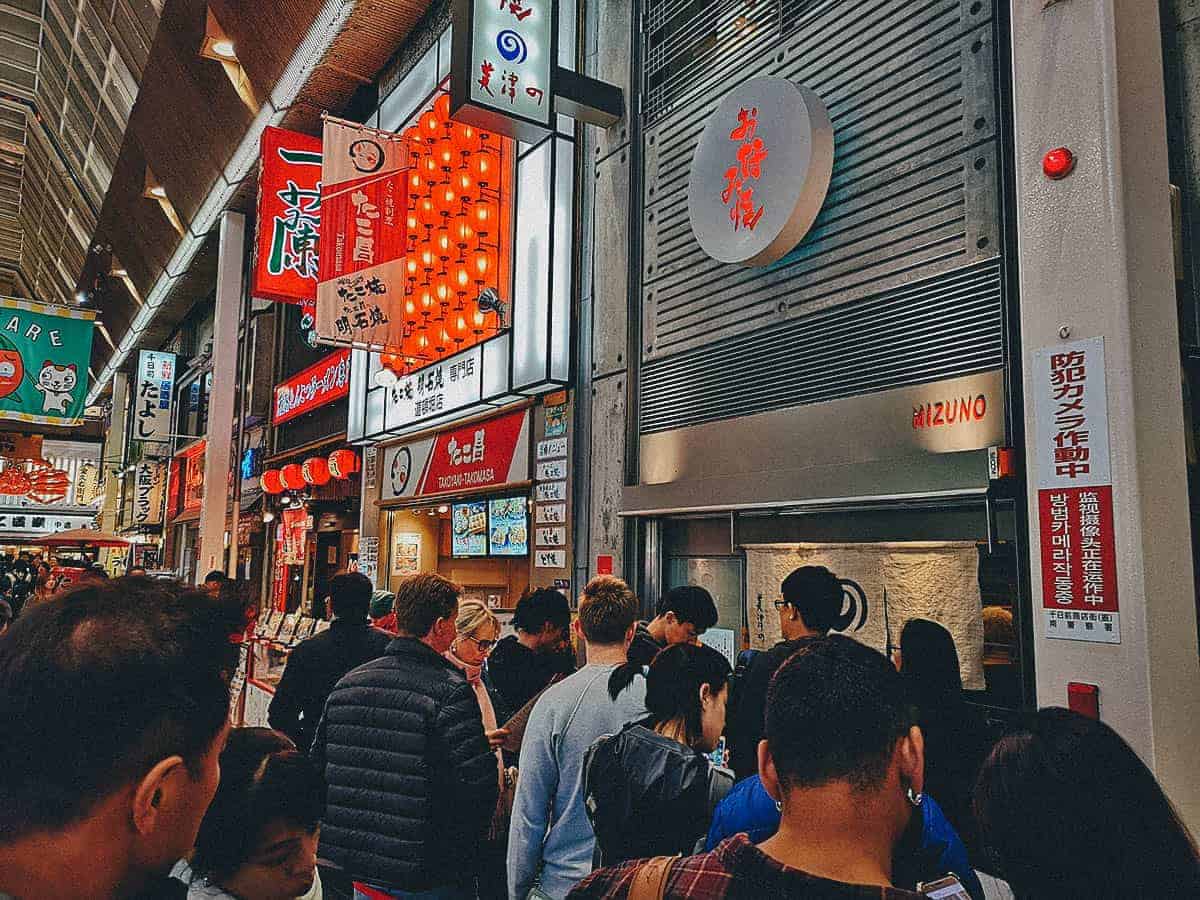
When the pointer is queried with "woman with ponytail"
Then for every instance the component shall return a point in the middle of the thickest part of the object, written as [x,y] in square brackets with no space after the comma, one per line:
[650,790]
[810,605]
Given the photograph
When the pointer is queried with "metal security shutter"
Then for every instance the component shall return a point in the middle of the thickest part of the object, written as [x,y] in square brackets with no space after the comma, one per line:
[911,223]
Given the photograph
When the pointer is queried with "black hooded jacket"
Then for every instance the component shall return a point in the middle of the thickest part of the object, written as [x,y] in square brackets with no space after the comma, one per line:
[648,795]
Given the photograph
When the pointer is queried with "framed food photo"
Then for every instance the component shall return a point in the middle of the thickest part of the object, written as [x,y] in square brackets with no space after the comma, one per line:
[406,554]
[470,532]
[509,527]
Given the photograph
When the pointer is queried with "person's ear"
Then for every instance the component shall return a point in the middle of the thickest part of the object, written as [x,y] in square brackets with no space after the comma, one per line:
[705,695]
[629,633]
[577,627]
[910,758]
[153,793]
[767,772]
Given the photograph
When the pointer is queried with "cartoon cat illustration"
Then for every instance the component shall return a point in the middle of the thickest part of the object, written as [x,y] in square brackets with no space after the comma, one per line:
[56,383]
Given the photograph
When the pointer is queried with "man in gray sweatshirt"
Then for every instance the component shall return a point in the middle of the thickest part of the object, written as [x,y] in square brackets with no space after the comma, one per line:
[550,841]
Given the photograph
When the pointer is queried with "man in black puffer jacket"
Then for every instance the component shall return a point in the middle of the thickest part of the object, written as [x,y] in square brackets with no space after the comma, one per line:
[412,781]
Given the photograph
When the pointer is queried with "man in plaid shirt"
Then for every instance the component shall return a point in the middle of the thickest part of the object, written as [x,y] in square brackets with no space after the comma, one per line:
[845,757]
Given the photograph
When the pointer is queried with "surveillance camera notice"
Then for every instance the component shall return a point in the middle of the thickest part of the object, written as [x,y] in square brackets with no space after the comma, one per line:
[1075,496]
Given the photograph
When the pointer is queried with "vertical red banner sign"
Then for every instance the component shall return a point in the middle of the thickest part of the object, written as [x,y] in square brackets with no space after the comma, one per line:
[1075,496]
[364,215]
[289,217]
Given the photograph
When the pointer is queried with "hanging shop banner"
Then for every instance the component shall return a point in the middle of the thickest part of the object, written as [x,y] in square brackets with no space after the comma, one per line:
[44,355]
[152,413]
[502,65]
[485,455]
[760,171]
[293,526]
[289,217]
[1075,502]
[148,493]
[364,214]
[321,383]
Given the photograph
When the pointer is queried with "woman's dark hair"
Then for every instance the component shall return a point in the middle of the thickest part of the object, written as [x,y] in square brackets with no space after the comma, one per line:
[542,606]
[1067,810]
[264,778]
[929,659]
[673,684]
[817,594]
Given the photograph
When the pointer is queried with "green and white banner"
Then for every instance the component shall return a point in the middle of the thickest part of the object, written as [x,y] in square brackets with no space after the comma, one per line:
[44,356]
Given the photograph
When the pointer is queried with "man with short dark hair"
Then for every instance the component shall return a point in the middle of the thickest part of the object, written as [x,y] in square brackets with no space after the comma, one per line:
[115,704]
[412,779]
[318,663]
[550,840]
[681,615]
[844,759]
[214,581]
[524,664]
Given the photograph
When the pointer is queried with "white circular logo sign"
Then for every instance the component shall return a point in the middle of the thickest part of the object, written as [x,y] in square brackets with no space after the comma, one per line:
[760,172]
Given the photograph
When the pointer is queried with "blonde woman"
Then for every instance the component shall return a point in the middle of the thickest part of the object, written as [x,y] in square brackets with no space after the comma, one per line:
[476,632]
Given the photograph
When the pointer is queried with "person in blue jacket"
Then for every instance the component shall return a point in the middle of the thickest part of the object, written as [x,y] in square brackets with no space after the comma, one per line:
[931,847]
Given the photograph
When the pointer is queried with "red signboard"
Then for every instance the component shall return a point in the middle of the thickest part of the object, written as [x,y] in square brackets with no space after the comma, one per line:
[1075,495]
[477,456]
[604,565]
[485,455]
[321,383]
[289,217]
[1079,565]
[364,211]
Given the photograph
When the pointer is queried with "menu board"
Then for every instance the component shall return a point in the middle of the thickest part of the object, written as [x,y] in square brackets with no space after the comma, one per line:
[508,527]
[470,529]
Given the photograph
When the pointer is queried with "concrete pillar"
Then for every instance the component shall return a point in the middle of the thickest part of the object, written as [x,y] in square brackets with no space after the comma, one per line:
[602,409]
[1096,261]
[218,451]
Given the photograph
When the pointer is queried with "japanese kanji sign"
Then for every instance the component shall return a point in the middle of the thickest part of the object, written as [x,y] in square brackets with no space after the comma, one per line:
[760,172]
[503,64]
[44,355]
[153,391]
[1075,504]
[485,455]
[321,383]
[148,484]
[364,215]
[289,217]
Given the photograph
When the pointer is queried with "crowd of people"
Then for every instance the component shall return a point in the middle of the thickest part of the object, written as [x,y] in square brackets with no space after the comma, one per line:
[432,758]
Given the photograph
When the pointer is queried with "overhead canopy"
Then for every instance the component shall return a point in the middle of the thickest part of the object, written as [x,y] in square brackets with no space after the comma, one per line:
[80,538]
[190,123]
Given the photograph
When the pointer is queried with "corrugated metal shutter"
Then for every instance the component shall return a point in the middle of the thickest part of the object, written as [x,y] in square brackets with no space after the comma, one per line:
[911,224]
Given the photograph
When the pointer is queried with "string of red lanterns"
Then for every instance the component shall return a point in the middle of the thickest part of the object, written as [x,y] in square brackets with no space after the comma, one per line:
[453,238]
[316,470]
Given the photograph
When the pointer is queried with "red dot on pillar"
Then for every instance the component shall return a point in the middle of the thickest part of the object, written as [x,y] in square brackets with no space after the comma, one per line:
[1058,163]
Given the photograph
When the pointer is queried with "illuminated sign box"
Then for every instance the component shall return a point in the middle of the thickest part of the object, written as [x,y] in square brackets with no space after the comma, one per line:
[531,354]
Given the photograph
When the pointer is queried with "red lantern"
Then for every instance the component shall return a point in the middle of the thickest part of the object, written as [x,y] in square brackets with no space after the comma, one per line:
[316,470]
[441,106]
[343,463]
[292,476]
[484,216]
[272,481]
[483,167]
[467,138]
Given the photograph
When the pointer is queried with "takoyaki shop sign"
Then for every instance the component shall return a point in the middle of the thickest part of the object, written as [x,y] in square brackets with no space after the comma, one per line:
[488,454]
[44,355]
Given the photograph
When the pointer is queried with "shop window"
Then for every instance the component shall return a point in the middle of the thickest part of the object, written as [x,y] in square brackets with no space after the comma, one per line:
[955,564]
[192,417]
